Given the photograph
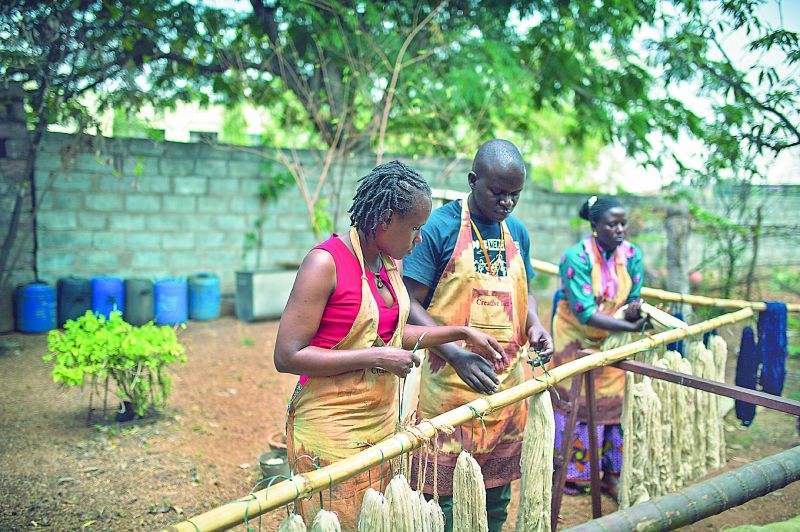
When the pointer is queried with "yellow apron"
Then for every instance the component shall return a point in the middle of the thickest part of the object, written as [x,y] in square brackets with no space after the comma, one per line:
[497,306]
[336,417]
[570,336]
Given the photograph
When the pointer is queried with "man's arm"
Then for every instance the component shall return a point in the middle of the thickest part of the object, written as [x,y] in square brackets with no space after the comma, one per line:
[473,369]
[540,340]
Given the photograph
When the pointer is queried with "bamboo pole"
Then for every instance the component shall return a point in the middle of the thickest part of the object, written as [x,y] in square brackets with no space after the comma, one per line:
[307,484]
[690,299]
[707,498]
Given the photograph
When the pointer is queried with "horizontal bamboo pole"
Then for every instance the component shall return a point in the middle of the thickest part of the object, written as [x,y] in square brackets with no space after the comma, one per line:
[306,484]
[704,499]
[690,299]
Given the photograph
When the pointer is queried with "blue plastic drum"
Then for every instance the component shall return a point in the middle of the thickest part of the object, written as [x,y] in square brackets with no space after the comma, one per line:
[108,294]
[36,308]
[204,296]
[171,301]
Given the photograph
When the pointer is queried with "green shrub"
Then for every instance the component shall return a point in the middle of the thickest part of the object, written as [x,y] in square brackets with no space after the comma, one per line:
[93,349]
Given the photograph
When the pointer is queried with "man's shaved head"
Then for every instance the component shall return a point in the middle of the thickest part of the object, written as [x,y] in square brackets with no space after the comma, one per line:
[497,155]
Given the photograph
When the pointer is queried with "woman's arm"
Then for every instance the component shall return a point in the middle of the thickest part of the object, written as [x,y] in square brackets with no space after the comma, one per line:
[609,323]
[315,282]
[423,337]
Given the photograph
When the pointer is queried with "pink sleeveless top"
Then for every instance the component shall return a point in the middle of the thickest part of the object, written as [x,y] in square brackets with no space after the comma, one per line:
[343,304]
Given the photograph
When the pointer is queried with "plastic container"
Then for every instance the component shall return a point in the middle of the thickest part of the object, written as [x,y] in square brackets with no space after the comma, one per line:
[139,301]
[204,296]
[36,308]
[108,294]
[74,298]
[171,301]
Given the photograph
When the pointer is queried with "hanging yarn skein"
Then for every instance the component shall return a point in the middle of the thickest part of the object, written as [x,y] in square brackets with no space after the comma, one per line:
[374,513]
[437,516]
[706,411]
[326,521]
[719,352]
[641,423]
[681,413]
[664,391]
[469,496]
[401,504]
[746,374]
[772,347]
[536,465]
[293,523]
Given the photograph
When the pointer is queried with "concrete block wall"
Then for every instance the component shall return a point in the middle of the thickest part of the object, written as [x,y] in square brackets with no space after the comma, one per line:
[138,208]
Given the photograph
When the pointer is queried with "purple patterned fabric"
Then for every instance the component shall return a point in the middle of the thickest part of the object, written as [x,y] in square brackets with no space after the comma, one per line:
[609,440]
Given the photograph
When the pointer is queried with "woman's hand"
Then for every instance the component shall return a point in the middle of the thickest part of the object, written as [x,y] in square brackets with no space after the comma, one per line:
[634,311]
[541,342]
[483,344]
[635,326]
[396,360]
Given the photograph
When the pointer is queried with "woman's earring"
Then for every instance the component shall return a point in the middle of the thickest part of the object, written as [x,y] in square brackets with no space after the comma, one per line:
[594,234]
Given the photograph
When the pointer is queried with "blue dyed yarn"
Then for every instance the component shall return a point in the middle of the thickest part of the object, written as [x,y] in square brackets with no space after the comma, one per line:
[772,347]
[747,374]
[677,346]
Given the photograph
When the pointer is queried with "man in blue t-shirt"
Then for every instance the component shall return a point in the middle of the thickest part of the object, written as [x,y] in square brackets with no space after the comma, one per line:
[473,268]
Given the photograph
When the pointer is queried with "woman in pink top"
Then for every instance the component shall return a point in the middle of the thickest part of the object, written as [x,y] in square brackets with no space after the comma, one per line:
[344,331]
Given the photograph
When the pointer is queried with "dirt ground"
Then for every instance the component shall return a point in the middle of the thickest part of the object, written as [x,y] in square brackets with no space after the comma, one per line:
[60,472]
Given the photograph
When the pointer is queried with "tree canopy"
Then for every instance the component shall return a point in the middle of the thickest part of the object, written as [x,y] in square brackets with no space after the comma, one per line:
[428,77]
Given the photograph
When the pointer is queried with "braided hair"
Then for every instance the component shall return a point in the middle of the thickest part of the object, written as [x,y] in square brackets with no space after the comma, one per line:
[389,188]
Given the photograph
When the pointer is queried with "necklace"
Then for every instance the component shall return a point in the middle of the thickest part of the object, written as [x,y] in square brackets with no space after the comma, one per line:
[483,245]
[378,280]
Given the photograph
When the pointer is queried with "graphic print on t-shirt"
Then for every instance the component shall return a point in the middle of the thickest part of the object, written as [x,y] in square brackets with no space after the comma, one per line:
[496,256]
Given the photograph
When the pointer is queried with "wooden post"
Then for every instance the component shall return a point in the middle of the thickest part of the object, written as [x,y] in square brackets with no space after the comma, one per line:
[565,454]
[594,457]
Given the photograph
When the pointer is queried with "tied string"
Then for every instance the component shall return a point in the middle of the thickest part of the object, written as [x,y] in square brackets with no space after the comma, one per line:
[536,361]
[251,496]
[437,428]
[475,414]
[424,446]
[315,463]
[369,471]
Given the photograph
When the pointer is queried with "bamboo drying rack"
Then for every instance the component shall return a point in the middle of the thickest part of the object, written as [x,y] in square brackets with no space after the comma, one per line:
[307,484]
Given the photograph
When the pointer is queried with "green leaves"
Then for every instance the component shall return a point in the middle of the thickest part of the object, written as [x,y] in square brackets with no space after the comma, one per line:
[93,348]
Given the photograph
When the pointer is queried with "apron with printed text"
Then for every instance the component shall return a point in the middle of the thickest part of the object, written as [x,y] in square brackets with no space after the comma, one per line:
[498,306]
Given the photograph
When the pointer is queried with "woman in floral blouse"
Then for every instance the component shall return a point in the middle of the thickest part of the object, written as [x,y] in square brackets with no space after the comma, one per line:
[598,276]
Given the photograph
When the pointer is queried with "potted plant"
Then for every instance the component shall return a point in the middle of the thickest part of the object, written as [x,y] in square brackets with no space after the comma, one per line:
[95,349]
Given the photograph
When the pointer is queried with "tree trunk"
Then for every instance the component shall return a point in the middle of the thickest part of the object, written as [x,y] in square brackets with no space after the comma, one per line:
[676,225]
[751,272]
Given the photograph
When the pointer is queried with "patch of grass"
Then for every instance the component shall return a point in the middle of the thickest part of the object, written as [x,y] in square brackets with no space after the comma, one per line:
[247,341]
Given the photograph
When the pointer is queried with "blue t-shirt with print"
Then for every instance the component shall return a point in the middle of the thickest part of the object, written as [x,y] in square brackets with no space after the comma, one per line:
[439,235]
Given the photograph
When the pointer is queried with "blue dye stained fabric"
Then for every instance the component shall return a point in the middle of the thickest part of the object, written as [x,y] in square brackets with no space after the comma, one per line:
[772,347]
[747,374]
[677,346]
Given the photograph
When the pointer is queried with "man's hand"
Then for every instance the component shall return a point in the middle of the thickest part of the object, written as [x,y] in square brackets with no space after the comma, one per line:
[540,342]
[475,371]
